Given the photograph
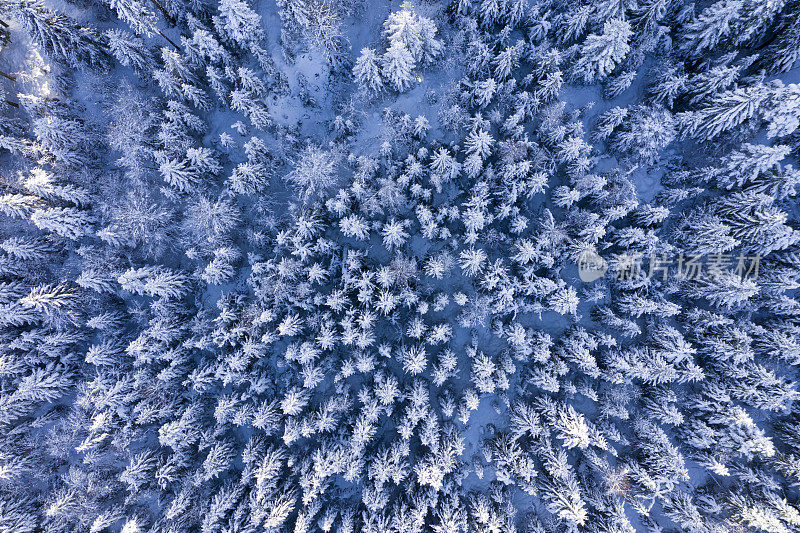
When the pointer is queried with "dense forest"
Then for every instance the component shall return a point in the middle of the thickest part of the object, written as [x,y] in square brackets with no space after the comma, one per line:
[448,266]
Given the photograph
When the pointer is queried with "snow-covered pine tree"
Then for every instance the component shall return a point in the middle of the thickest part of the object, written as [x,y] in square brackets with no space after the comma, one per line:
[367,70]
[397,65]
[601,53]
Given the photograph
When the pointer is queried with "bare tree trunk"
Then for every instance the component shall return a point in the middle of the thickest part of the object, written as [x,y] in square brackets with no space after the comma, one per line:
[3,24]
[8,76]
[768,42]
[178,48]
[164,12]
[12,104]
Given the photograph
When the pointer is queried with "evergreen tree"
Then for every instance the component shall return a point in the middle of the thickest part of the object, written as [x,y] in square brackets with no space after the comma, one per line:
[315,170]
[600,54]
[367,70]
[141,20]
[67,222]
[130,51]
[239,22]
[59,36]
[414,32]
[397,65]
[713,25]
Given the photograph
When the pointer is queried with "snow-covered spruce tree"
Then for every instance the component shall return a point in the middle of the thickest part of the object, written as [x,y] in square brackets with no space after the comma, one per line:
[367,70]
[416,33]
[238,22]
[397,65]
[61,37]
[315,170]
[601,53]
